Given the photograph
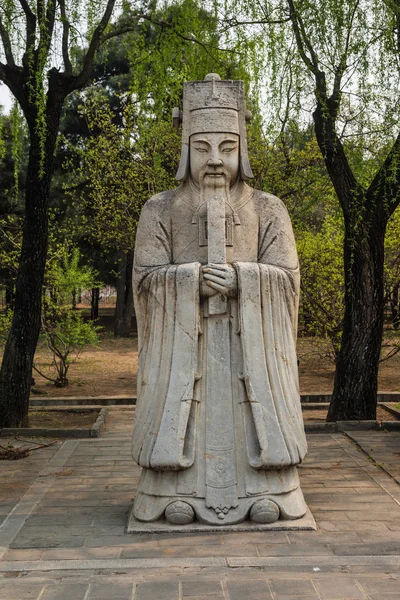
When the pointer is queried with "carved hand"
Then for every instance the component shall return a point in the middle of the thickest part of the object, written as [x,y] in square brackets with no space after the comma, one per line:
[205,290]
[221,278]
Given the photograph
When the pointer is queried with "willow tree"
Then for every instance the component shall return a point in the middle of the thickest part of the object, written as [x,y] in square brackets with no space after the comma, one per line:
[339,60]
[39,40]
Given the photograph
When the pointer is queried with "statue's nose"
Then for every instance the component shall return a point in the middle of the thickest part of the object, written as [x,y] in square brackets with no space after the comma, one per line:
[214,162]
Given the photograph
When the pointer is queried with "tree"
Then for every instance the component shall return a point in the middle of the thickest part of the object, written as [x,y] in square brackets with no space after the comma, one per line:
[366,211]
[119,144]
[340,60]
[40,90]
[13,159]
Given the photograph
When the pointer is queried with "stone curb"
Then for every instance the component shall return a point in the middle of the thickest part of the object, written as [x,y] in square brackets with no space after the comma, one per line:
[306,399]
[341,426]
[321,398]
[217,561]
[83,401]
[391,409]
[98,427]
[94,431]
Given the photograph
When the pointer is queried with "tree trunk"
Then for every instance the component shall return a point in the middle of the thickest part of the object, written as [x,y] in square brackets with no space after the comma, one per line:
[365,218]
[356,379]
[74,295]
[124,306]
[394,306]
[94,304]
[16,369]
[10,294]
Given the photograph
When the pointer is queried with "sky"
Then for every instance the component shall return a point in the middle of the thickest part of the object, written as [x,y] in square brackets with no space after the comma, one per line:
[5,99]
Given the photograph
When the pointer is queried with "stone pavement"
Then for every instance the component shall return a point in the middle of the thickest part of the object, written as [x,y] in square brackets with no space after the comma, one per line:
[63,512]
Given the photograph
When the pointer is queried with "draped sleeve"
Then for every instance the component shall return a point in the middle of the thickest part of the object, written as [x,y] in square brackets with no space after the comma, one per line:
[167,311]
[268,307]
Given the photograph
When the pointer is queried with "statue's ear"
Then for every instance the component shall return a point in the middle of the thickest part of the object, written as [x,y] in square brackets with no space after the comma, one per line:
[245,168]
[183,169]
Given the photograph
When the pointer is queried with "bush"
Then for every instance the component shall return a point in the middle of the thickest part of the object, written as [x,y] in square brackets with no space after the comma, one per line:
[66,334]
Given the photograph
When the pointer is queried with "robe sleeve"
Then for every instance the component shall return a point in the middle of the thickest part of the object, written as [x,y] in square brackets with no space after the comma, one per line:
[167,310]
[268,305]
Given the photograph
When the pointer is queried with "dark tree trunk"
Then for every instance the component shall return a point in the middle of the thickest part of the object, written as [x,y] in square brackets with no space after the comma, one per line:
[10,295]
[394,306]
[124,306]
[94,304]
[74,295]
[356,379]
[16,369]
[26,84]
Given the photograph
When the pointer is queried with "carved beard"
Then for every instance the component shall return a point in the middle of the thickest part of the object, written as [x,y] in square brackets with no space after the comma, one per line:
[210,186]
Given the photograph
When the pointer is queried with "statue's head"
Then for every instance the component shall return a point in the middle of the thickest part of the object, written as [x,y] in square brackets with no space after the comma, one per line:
[214,143]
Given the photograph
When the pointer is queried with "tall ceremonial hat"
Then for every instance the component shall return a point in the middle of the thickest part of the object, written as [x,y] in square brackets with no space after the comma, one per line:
[213,106]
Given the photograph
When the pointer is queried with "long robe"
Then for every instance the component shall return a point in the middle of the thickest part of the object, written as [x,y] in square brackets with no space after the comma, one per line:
[218,420]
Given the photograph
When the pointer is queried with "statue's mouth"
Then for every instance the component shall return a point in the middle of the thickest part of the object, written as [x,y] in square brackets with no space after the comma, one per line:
[215,174]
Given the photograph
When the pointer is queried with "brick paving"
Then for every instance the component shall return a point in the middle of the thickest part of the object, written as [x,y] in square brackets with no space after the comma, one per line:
[65,537]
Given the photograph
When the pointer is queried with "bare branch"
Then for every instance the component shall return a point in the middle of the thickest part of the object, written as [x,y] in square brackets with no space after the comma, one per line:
[166,25]
[335,97]
[385,187]
[30,24]
[42,374]
[81,79]
[234,22]
[65,38]
[303,41]
[116,33]
[390,354]
[5,38]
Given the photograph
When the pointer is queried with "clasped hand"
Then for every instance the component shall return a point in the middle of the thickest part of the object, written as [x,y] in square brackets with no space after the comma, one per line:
[216,279]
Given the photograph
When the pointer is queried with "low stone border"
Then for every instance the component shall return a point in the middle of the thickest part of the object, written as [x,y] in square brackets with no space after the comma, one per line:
[82,401]
[98,427]
[94,431]
[306,399]
[340,426]
[321,398]
[391,409]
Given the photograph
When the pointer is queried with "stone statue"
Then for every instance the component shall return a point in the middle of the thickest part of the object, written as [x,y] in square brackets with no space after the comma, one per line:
[218,427]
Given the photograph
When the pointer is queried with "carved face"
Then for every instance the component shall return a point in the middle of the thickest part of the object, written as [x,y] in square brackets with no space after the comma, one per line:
[214,158]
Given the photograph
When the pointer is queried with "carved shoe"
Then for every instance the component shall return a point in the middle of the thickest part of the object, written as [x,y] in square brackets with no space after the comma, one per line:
[264,511]
[179,513]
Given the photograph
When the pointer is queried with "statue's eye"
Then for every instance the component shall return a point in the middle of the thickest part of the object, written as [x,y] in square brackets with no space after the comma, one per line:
[229,149]
[201,149]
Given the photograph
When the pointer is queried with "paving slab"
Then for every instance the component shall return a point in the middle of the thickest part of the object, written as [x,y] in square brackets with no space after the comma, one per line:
[63,529]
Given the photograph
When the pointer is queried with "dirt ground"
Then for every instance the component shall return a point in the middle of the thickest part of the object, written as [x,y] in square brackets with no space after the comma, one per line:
[111,370]
[316,416]
[62,419]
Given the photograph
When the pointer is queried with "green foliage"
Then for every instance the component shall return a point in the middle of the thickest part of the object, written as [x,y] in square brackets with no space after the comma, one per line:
[66,277]
[40,51]
[119,168]
[322,282]
[66,334]
[352,44]
[5,326]
[293,169]
[180,42]
[64,330]
[392,251]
